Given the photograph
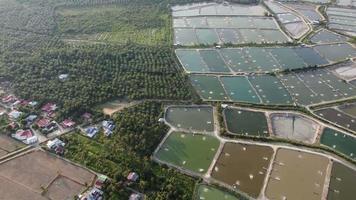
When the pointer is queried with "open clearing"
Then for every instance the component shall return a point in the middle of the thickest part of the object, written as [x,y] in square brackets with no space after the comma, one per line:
[294,127]
[112,107]
[342,182]
[37,172]
[189,151]
[243,167]
[206,192]
[245,122]
[191,118]
[297,175]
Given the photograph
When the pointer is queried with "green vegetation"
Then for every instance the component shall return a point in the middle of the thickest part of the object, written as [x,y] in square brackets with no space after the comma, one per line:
[96,74]
[126,52]
[147,24]
[118,155]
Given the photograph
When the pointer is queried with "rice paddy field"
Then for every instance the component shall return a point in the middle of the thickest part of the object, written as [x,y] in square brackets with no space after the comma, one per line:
[342,182]
[192,152]
[325,36]
[342,20]
[340,142]
[243,167]
[191,118]
[205,192]
[245,122]
[260,59]
[294,127]
[297,175]
[338,117]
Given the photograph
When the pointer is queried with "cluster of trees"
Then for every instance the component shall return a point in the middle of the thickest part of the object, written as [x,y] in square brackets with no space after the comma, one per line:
[137,134]
[96,74]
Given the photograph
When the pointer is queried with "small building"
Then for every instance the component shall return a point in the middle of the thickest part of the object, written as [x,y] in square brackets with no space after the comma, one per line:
[8,99]
[108,127]
[46,125]
[68,123]
[17,102]
[49,107]
[26,136]
[63,77]
[135,196]
[31,140]
[133,177]
[30,119]
[93,194]
[55,142]
[100,181]
[91,131]
[87,116]
[24,102]
[56,145]
[14,114]
[33,103]
[43,123]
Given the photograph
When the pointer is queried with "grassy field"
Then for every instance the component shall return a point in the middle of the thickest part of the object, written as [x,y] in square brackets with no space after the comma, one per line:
[144,24]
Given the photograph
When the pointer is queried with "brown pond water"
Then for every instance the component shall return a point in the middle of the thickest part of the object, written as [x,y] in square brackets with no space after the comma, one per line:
[297,175]
[243,167]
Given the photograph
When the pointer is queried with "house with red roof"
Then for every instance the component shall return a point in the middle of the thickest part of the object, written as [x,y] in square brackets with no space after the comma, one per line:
[22,134]
[43,123]
[68,123]
[9,99]
[49,109]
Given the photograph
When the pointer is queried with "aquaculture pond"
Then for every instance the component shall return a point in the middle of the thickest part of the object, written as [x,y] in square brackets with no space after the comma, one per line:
[297,175]
[208,87]
[189,151]
[205,192]
[243,93]
[294,127]
[339,141]
[191,118]
[342,182]
[243,167]
[246,122]
[325,36]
